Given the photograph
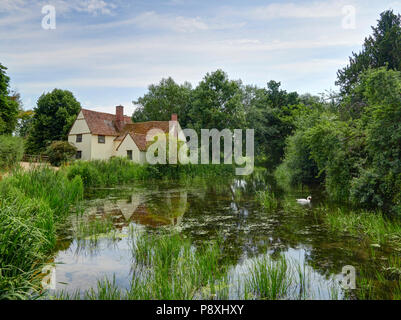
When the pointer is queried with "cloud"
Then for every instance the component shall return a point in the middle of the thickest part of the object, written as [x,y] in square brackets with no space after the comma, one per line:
[307,10]
[117,55]
[152,20]
[93,7]
[11,5]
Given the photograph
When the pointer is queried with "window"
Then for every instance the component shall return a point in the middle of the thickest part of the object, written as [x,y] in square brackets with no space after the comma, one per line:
[79,155]
[129,154]
[79,138]
[101,139]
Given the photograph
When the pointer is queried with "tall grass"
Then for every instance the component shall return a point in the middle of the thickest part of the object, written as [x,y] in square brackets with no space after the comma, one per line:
[170,268]
[32,205]
[268,279]
[267,199]
[166,267]
[106,173]
[375,226]
[175,269]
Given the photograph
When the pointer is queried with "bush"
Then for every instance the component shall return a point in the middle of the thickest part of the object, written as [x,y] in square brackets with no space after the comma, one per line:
[11,151]
[60,152]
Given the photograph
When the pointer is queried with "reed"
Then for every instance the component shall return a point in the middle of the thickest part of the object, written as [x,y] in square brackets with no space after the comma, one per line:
[267,199]
[166,267]
[375,226]
[107,173]
[269,279]
[32,205]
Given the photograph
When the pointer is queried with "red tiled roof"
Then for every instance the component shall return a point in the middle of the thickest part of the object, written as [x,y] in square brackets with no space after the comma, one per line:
[103,123]
[139,130]
[140,140]
[144,127]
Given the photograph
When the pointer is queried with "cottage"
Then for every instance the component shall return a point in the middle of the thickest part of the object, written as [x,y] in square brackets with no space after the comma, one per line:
[99,135]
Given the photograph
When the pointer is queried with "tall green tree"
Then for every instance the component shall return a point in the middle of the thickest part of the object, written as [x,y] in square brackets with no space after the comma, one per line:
[54,115]
[162,100]
[9,106]
[24,125]
[270,112]
[217,103]
[382,48]
[379,183]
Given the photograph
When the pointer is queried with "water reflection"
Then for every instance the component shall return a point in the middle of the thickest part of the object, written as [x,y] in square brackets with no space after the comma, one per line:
[153,211]
[202,211]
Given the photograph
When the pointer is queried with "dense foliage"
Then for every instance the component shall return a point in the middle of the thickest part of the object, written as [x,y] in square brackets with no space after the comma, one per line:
[359,158]
[9,106]
[218,102]
[100,173]
[354,148]
[11,151]
[60,152]
[54,115]
[24,125]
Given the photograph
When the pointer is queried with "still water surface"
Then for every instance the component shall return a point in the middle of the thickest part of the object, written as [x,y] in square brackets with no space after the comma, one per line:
[204,210]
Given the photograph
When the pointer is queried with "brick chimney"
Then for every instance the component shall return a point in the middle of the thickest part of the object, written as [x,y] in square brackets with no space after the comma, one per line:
[174,117]
[120,117]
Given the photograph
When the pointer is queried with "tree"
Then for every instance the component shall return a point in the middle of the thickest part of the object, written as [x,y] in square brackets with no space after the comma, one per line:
[162,100]
[380,178]
[54,115]
[9,105]
[383,48]
[217,103]
[270,112]
[24,125]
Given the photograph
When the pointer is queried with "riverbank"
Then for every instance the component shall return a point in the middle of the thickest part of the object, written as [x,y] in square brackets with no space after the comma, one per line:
[35,204]
[32,206]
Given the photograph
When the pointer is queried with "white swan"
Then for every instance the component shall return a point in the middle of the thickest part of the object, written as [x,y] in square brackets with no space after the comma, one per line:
[305,201]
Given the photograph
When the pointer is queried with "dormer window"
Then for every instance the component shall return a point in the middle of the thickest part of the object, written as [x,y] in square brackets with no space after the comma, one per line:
[79,138]
[101,139]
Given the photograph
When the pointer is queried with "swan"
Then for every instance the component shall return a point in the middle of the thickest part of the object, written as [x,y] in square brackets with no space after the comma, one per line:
[305,201]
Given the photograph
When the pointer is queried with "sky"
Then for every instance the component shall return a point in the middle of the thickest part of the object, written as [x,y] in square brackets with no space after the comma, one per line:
[108,52]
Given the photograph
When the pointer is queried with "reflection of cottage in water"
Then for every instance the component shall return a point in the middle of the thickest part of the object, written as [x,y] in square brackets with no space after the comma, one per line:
[153,210]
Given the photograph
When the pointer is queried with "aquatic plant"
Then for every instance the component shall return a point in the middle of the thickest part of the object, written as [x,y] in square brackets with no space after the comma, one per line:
[177,269]
[269,279]
[267,199]
[375,226]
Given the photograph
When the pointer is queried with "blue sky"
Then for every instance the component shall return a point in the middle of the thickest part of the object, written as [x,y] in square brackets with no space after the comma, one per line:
[108,52]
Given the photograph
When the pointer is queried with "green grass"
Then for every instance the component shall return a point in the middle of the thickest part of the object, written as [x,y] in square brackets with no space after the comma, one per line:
[92,229]
[171,267]
[267,199]
[177,269]
[32,206]
[166,267]
[269,280]
[375,226]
